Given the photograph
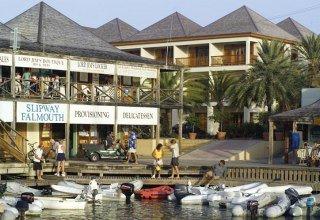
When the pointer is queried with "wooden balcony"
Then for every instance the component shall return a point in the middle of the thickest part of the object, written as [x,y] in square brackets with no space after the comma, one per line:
[168,60]
[193,61]
[231,60]
[88,92]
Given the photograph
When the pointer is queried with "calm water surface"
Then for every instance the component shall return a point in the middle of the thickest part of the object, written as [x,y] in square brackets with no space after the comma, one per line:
[147,209]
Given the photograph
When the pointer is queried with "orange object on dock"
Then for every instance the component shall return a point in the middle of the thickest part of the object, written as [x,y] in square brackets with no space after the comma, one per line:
[160,192]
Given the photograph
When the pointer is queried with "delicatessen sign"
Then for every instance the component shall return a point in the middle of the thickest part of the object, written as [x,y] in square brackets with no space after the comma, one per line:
[40,62]
[137,116]
[92,114]
[41,113]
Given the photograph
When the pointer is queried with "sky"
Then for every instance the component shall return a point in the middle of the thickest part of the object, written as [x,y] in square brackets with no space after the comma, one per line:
[142,13]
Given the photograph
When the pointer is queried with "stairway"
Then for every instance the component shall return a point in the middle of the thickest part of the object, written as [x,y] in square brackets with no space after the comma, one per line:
[12,144]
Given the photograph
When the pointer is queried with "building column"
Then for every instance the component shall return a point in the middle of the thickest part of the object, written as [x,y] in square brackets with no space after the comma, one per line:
[115,87]
[271,141]
[246,115]
[179,52]
[247,52]
[67,125]
[145,53]
[211,53]
[158,106]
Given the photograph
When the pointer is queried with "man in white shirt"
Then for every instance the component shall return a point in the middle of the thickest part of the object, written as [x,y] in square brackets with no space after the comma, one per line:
[38,158]
[174,147]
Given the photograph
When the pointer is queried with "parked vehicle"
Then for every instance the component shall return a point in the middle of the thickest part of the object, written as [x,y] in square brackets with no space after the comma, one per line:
[95,152]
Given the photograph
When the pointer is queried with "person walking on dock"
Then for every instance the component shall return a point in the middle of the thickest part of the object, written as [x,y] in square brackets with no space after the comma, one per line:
[157,154]
[61,159]
[174,147]
[218,171]
[37,162]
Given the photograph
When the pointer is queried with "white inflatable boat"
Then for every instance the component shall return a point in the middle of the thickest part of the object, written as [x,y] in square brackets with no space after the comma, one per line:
[35,208]
[278,209]
[61,203]
[302,190]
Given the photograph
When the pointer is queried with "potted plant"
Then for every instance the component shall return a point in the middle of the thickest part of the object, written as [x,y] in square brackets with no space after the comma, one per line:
[220,116]
[194,122]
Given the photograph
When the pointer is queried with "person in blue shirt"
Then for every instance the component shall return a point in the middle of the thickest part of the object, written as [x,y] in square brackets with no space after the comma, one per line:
[132,145]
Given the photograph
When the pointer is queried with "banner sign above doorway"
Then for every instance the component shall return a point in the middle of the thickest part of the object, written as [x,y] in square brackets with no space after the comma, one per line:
[92,114]
[40,62]
[92,67]
[137,71]
[137,115]
[6,113]
[30,112]
[5,59]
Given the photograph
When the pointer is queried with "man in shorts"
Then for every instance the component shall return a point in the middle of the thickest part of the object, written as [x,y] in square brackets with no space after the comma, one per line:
[37,162]
[218,171]
[174,147]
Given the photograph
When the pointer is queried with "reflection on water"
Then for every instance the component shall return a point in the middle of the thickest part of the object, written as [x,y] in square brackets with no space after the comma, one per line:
[147,209]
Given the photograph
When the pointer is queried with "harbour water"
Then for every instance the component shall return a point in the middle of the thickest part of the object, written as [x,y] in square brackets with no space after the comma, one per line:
[146,209]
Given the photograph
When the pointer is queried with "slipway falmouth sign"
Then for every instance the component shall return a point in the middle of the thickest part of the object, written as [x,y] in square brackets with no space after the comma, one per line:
[41,113]
[137,116]
[92,114]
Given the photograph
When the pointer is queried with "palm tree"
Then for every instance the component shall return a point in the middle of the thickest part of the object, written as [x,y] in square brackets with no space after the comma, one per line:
[268,80]
[309,51]
[220,85]
[194,92]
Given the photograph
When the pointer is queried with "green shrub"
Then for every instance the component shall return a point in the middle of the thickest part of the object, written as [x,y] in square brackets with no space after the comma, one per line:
[245,130]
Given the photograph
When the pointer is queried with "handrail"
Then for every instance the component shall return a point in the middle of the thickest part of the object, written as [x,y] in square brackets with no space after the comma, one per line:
[228,60]
[193,61]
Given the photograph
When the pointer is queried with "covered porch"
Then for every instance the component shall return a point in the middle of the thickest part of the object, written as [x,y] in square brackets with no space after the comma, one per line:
[307,116]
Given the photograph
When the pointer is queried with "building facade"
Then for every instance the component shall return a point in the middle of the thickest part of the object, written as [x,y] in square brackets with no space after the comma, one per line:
[226,45]
[61,81]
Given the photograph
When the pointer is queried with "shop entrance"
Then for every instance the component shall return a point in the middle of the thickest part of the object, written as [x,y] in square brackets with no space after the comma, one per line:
[51,131]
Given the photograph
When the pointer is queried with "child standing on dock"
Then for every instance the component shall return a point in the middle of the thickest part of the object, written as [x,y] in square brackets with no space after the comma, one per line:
[157,154]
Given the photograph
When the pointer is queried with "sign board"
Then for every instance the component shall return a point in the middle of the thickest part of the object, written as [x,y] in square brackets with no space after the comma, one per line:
[40,62]
[137,71]
[5,59]
[92,114]
[30,112]
[137,115]
[6,113]
[92,67]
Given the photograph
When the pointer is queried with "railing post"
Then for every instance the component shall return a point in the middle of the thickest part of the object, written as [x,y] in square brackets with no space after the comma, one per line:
[13,90]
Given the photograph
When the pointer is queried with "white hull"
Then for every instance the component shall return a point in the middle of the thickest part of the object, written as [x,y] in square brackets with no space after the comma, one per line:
[60,203]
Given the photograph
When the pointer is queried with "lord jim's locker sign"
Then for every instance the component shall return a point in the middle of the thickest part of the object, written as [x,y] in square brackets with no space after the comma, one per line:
[92,114]
[30,112]
[137,116]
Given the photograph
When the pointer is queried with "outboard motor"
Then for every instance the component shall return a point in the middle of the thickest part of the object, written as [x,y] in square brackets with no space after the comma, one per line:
[252,207]
[127,189]
[310,203]
[27,197]
[180,191]
[46,192]
[292,194]
[22,206]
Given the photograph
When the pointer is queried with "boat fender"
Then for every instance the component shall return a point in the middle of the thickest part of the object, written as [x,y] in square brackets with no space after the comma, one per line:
[27,196]
[46,192]
[295,211]
[252,207]
[127,189]
[292,194]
